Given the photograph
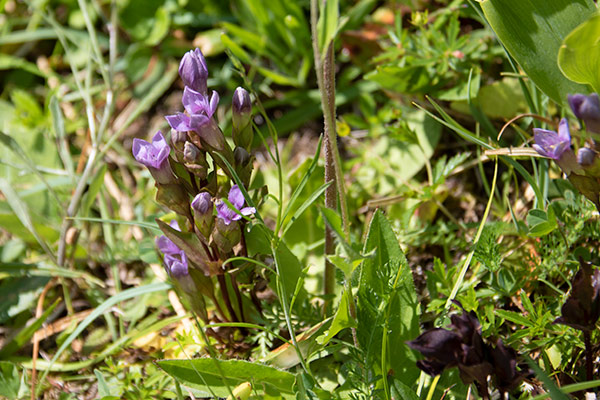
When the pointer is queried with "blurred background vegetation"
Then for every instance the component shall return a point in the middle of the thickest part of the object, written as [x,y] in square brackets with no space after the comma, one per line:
[80,79]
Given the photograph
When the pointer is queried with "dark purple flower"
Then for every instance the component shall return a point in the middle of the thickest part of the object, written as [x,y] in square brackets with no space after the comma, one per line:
[582,308]
[193,71]
[463,347]
[551,144]
[236,198]
[155,156]
[199,111]
[586,108]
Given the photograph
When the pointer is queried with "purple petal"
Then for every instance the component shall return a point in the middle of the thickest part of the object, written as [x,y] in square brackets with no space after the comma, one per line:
[194,102]
[225,213]
[248,211]
[180,122]
[214,102]
[236,197]
[152,154]
[175,225]
[202,203]
[166,246]
[197,121]
[563,131]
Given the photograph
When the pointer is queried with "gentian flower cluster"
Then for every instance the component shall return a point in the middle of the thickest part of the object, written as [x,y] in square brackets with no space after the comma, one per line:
[462,346]
[583,168]
[193,173]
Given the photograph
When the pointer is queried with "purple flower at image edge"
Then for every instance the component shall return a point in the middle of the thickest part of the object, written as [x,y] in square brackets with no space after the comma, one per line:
[152,155]
[585,107]
[552,144]
[236,198]
[199,108]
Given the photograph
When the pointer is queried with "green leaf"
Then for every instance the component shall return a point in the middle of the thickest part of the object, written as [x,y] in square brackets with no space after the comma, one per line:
[10,382]
[532,31]
[387,308]
[327,24]
[514,317]
[579,55]
[212,375]
[342,319]
[541,223]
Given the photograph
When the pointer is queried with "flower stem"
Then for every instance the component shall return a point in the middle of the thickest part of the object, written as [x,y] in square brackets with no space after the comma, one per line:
[589,356]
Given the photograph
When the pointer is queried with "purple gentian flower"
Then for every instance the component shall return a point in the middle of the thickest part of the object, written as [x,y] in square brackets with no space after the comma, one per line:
[155,156]
[587,108]
[199,111]
[551,144]
[202,203]
[236,198]
[166,245]
[193,71]
[175,258]
[241,108]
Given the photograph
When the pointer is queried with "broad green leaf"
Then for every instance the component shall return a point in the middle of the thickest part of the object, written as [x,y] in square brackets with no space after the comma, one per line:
[532,31]
[579,55]
[212,375]
[387,304]
[341,320]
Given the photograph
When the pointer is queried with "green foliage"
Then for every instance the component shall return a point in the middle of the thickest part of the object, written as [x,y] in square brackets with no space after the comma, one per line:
[219,377]
[387,307]
[579,54]
[536,50]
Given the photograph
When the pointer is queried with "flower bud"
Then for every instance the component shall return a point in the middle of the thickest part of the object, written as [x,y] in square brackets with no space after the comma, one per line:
[178,139]
[193,71]
[587,108]
[241,114]
[190,152]
[242,108]
[585,156]
[226,236]
[241,156]
[202,206]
